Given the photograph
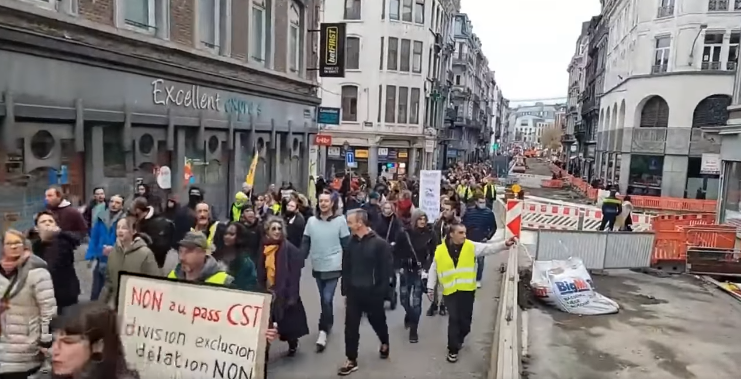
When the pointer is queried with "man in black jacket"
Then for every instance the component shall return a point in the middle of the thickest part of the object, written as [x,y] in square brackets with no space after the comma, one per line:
[160,230]
[366,267]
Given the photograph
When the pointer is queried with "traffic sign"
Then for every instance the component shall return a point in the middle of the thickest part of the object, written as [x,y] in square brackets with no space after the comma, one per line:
[350,159]
[516,188]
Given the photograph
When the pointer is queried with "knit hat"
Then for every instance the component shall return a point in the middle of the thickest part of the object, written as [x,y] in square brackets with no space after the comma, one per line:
[194,239]
[374,195]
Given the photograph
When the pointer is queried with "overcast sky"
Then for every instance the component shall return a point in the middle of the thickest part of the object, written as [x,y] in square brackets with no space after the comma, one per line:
[529,42]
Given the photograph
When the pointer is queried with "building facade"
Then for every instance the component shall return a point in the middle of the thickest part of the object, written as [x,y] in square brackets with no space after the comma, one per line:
[528,122]
[469,130]
[116,92]
[652,125]
[393,85]
[586,131]
[577,85]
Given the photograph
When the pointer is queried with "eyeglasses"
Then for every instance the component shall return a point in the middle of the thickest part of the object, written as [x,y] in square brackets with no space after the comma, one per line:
[276,228]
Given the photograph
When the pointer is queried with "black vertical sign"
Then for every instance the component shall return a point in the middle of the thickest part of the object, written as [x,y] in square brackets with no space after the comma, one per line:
[332,51]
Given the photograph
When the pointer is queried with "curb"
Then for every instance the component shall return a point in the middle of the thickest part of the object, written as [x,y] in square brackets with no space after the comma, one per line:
[506,351]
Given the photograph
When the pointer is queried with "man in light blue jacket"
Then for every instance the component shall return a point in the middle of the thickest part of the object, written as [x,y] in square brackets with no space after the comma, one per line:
[325,238]
[102,240]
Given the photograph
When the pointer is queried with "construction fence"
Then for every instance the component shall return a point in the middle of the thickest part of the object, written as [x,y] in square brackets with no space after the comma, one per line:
[598,250]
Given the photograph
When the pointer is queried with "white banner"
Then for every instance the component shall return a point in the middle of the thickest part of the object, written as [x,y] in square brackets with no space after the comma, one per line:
[173,329]
[429,193]
[710,164]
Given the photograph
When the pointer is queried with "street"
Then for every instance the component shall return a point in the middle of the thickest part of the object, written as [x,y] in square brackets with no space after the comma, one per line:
[424,360]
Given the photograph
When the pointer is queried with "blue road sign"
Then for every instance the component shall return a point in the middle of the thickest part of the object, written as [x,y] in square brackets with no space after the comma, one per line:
[350,157]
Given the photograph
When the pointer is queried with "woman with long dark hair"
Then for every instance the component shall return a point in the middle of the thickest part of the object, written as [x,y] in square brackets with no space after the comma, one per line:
[233,253]
[87,345]
[279,271]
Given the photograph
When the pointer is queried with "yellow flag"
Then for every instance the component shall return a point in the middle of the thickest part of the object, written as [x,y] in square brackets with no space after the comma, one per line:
[250,179]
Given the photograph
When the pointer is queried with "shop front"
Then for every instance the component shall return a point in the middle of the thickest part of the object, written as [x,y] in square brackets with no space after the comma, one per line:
[336,164]
[92,126]
[393,162]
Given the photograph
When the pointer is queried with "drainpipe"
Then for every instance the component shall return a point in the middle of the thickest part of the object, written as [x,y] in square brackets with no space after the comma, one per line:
[692,51]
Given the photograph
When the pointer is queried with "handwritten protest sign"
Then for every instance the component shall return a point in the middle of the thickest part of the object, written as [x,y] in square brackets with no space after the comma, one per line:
[429,193]
[172,329]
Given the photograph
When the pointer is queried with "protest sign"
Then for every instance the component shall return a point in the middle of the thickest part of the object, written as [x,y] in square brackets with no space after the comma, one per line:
[429,193]
[174,329]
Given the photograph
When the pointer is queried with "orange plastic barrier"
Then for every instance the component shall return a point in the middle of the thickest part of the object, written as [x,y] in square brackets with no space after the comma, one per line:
[642,202]
[552,183]
[674,234]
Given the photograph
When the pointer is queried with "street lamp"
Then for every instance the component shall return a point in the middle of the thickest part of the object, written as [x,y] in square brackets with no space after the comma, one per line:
[346,146]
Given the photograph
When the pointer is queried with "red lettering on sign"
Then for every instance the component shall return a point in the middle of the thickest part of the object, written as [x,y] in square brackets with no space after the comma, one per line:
[323,140]
[146,298]
[243,315]
[205,314]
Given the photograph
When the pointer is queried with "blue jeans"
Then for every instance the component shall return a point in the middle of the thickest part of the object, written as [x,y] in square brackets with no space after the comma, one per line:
[327,288]
[99,272]
[479,268]
[410,290]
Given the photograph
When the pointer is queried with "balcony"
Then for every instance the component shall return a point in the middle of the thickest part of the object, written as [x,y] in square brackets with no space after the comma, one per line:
[451,114]
[665,11]
[710,66]
[648,140]
[703,144]
[659,69]
[568,138]
[731,66]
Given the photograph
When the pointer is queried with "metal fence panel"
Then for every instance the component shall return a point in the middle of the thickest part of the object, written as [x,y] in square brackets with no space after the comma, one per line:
[564,244]
[628,250]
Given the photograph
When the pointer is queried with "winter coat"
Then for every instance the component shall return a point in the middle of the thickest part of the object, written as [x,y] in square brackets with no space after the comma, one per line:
[69,218]
[103,234]
[59,255]
[136,258]
[287,310]
[92,211]
[295,225]
[31,307]
[92,370]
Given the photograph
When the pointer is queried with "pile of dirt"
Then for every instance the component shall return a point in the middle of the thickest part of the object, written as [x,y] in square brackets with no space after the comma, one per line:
[525,297]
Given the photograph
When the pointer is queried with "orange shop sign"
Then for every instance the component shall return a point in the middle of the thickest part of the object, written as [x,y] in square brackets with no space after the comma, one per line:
[323,140]
[361,153]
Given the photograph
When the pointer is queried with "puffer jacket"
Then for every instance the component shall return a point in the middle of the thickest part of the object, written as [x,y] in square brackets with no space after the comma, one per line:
[136,258]
[25,325]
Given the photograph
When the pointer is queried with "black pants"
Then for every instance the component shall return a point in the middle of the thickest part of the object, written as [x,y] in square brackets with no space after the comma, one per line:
[359,303]
[608,221]
[460,315]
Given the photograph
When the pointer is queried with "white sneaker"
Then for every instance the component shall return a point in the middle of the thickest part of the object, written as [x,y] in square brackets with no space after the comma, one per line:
[478,284]
[321,342]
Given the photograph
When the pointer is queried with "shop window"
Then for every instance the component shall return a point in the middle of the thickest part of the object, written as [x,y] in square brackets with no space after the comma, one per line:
[42,144]
[195,156]
[731,200]
[213,144]
[146,144]
[699,185]
[213,172]
[114,158]
[646,173]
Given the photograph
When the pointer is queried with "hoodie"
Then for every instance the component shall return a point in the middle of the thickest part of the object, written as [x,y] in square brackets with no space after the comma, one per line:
[136,258]
[210,268]
[59,254]
[422,242]
[69,218]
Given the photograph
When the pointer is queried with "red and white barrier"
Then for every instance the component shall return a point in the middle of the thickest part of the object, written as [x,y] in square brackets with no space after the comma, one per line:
[546,216]
[513,219]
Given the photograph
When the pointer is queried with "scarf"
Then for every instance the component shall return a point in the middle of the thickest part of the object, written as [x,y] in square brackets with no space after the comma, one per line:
[270,251]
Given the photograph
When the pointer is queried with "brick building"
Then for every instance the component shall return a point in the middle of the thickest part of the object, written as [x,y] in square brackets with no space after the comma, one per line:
[105,92]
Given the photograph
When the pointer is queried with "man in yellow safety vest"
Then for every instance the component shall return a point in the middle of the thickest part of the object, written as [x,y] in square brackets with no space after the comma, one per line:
[206,225]
[454,266]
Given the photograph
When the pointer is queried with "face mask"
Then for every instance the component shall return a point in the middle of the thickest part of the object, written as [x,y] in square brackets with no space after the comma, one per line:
[481,206]
[387,213]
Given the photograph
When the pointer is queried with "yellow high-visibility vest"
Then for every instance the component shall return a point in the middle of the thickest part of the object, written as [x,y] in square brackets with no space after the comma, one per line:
[211,233]
[217,278]
[236,213]
[463,191]
[456,278]
[275,208]
[490,187]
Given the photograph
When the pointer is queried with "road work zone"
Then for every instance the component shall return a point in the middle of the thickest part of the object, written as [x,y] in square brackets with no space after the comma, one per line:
[668,328]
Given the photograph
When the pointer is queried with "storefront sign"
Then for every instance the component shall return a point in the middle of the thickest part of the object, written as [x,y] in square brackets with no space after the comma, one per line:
[710,164]
[333,151]
[361,154]
[403,154]
[332,50]
[429,146]
[383,151]
[323,140]
[195,97]
[328,116]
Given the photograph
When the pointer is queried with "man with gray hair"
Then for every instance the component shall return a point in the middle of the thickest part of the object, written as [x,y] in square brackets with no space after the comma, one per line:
[366,267]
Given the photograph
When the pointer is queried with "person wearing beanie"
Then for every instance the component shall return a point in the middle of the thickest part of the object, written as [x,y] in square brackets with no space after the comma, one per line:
[372,207]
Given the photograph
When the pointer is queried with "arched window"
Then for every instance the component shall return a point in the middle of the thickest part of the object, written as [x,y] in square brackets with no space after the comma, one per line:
[349,103]
[711,111]
[655,113]
[295,37]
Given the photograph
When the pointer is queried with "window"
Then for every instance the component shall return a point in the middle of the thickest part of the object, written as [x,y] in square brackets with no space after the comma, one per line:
[661,56]
[258,43]
[352,10]
[349,103]
[352,53]
[403,104]
[209,22]
[733,44]
[414,110]
[457,80]
[417,57]
[295,37]
[383,49]
[722,5]
[383,9]
[711,51]
[393,55]
[419,11]
[140,14]
[406,10]
[380,101]
[406,45]
[394,9]
[390,104]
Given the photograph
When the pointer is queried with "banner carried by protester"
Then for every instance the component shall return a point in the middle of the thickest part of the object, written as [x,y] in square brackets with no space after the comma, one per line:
[174,329]
[429,193]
